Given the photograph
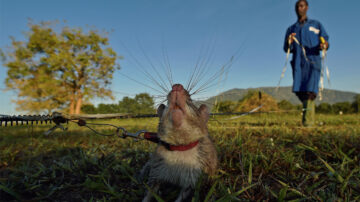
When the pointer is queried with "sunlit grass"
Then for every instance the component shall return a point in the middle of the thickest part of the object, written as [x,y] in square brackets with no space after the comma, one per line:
[263,156]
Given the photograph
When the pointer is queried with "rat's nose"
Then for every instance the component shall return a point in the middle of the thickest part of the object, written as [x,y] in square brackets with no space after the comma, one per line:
[177,87]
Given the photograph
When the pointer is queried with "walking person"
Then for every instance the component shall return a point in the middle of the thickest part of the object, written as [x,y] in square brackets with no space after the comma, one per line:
[306,38]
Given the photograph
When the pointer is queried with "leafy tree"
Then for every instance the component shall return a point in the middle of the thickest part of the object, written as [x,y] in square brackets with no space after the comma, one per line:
[224,106]
[285,105]
[88,109]
[127,105]
[107,108]
[325,108]
[345,107]
[143,103]
[53,70]
[356,103]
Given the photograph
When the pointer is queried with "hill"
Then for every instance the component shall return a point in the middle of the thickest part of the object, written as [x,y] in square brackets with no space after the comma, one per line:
[284,93]
[251,101]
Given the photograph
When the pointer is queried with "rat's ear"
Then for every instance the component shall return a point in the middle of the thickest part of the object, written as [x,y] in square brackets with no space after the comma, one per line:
[160,110]
[204,112]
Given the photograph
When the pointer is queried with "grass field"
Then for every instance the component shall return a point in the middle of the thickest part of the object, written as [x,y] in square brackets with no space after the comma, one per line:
[263,157]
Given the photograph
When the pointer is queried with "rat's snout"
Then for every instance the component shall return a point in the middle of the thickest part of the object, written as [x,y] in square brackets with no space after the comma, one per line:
[177,87]
[177,96]
[177,102]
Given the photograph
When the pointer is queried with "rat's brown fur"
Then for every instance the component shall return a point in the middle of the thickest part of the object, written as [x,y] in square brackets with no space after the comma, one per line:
[181,123]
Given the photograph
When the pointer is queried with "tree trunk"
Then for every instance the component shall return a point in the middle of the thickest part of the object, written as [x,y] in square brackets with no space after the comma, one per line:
[72,105]
[78,105]
[79,96]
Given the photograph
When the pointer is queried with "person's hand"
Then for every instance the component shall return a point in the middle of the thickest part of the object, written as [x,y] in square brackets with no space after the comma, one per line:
[324,46]
[291,38]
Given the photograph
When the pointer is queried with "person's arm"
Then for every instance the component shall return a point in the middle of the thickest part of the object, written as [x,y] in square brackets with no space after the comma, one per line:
[324,45]
[288,43]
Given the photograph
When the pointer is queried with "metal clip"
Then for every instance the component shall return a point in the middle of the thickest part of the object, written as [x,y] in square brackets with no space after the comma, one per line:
[136,135]
[54,128]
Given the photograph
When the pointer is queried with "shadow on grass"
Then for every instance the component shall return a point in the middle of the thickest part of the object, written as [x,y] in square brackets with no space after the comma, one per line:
[73,174]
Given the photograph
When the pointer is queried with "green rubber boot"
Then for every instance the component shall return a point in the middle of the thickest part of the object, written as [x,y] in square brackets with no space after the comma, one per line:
[308,113]
[312,103]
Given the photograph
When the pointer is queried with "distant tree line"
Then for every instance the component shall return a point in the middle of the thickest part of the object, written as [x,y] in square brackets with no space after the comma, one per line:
[144,104]
[251,99]
[141,104]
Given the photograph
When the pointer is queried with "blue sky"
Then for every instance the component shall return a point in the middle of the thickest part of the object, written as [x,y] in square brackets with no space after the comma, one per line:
[185,29]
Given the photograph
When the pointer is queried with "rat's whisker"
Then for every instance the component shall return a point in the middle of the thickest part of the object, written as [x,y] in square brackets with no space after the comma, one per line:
[159,96]
[141,83]
[158,103]
[167,67]
[153,67]
[211,80]
[201,72]
[223,71]
[192,74]
[140,67]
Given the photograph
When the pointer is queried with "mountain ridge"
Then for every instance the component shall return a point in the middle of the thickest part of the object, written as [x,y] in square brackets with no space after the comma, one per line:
[284,93]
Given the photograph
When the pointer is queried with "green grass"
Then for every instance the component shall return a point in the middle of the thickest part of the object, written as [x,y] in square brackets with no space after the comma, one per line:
[262,157]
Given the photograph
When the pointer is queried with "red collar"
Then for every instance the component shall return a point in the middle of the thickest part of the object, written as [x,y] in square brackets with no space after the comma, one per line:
[182,147]
[154,138]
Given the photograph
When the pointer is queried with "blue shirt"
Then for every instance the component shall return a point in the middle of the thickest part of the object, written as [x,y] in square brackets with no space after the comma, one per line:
[306,73]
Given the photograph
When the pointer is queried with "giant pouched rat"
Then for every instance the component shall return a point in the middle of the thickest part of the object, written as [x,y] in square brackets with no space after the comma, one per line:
[185,150]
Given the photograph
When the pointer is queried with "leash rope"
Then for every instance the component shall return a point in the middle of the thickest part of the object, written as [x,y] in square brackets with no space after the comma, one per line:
[58,119]
[287,57]
[302,47]
[121,132]
[323,67]
[246,113]
[285,65]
